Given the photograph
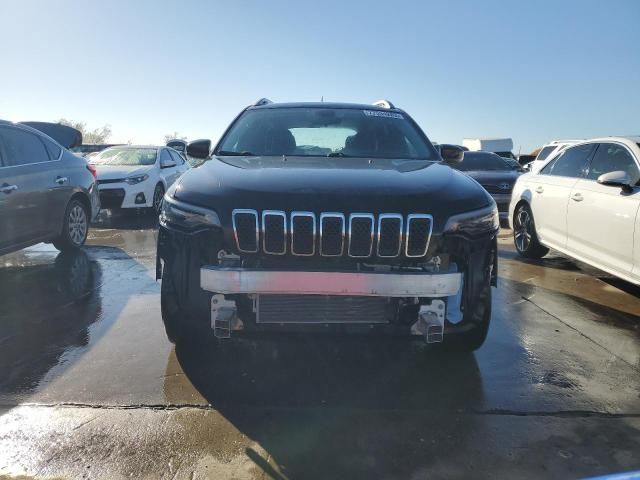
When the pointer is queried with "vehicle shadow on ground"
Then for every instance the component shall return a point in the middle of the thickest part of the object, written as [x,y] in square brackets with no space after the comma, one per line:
[321,406]
[127,219]
[600,292]
[55,307]
[47,309]
[552,261]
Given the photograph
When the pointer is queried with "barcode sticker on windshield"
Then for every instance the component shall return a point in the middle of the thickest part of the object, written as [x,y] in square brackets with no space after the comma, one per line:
[377,113]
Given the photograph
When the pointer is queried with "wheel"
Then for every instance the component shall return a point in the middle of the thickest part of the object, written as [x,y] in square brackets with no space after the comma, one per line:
[75,227]
[470,334]
[524,234]
[158,193]
[170,309]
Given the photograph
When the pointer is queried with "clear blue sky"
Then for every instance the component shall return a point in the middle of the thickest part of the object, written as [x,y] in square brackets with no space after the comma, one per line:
[534,71]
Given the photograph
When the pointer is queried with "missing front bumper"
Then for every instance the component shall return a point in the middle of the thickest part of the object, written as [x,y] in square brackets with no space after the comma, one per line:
[298,297]
[230,281]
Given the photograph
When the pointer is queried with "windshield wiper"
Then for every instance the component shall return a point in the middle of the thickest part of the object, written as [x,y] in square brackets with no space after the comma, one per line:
[338,154]
[229,153]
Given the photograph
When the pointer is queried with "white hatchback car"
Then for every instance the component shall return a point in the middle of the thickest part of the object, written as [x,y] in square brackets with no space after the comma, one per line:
[585,204]
[136,176]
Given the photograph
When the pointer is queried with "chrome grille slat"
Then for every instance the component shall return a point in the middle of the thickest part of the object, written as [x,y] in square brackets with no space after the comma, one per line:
[360,218]
[246,241]
[302,235]
[332,230]
[389,246]
[331,234]
[416,240]
[274,236]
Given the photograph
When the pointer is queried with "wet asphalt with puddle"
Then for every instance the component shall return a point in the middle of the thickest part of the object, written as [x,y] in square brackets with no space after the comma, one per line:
[91,388]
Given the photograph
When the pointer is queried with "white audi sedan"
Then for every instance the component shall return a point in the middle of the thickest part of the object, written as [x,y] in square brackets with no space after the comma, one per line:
[583,203]
[136,176]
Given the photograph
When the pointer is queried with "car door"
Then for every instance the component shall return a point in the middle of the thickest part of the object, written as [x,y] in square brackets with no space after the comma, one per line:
[168,167]
[550,193]
[24,183]
[600,218]
[181,165]
[6,218]
[60,189]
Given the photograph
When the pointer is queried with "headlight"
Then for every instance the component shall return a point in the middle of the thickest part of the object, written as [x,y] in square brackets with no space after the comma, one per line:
[183,216]
[136,179]
[474,223]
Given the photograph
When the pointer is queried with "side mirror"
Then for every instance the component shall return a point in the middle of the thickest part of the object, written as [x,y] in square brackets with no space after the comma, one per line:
[167,164]
[199,148]
[451,153]
[618,178]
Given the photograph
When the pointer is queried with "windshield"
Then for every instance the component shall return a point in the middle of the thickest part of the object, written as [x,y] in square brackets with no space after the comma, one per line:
[126,156]
[482,161]
[326,132]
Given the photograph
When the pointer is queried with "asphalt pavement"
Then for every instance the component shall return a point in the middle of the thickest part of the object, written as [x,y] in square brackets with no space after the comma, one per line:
[91,388]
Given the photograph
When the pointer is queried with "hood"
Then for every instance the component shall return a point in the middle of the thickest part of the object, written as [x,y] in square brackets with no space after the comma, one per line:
[115,172]
[492,177]
[321,184]
[66,136]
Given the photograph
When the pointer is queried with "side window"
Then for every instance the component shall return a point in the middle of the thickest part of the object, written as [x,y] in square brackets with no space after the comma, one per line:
[22,148]
[611,157]
[53,149]
[570,163]
[177,158]
[165,158]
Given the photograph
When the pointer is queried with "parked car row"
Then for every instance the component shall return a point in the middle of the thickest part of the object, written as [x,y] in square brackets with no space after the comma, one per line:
[47,194]
[494,173]
[345,211]
[50,194]
[583,202]
[136,176]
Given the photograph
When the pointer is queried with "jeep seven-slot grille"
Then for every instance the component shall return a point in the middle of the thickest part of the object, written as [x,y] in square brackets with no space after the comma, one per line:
[332,234]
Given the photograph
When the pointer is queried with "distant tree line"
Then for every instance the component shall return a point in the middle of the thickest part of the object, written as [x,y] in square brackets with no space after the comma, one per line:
[103,134]
[97,135]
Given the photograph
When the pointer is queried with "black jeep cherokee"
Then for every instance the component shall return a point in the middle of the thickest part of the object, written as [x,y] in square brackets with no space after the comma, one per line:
[327,218]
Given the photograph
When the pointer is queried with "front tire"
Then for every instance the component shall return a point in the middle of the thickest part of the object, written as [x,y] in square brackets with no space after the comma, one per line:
[158,194]
[75,227]
[170,309]
[525,237]
[469,335]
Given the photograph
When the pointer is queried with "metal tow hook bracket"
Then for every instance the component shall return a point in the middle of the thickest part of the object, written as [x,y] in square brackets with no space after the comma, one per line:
[430,322]
[224,316]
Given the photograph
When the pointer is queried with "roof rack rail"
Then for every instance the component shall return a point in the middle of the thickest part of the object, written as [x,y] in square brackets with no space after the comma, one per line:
[262,101]
[384,104]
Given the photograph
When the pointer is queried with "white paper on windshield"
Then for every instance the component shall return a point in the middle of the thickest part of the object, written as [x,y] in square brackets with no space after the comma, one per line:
[377,113]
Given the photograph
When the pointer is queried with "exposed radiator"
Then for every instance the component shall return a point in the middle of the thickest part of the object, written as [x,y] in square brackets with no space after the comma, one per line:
[323,309]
